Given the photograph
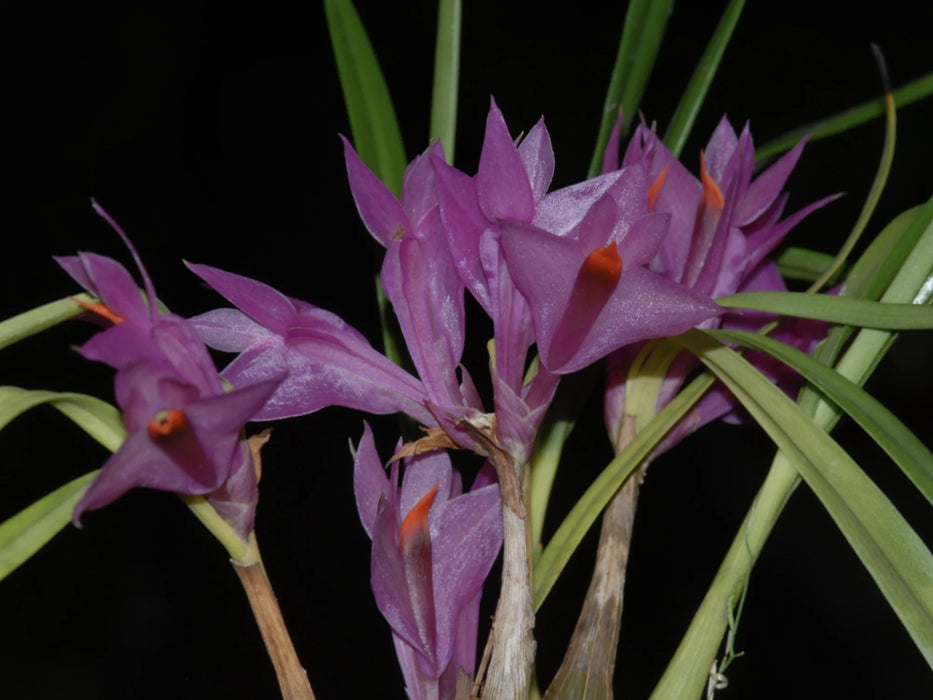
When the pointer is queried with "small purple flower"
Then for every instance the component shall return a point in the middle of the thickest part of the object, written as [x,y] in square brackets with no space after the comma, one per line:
[184,430]
[433,547]
[325,360]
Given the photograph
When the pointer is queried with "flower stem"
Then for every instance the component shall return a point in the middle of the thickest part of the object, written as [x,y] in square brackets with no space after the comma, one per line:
[293,680]
[589,664]
[509,674]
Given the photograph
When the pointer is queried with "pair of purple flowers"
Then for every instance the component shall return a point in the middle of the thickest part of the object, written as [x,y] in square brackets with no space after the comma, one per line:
[580,273]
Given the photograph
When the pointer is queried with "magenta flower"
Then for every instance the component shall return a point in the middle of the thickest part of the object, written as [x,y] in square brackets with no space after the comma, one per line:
[418,276]
[184,430]
[723,226]
[433,547]
[325,361]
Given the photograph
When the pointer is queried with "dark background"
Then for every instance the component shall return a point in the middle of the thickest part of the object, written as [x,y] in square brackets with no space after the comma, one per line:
[211,135]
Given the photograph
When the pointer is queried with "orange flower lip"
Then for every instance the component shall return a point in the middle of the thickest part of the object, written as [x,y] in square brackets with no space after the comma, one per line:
[604,264]
[166,423]
[417,517]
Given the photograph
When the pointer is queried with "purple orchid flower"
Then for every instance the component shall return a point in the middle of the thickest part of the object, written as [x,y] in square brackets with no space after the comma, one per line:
[184,430]
[418,276]
[433,547]
[325,360]
[723,226]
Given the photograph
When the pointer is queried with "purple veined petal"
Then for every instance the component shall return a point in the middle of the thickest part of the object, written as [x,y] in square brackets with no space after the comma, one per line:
[643,239]
[379,209]
[544,268]
[563,209]
[109,281]
[428,300]
[719,150]
[390,584]
[643,306]
[733,265]
[511,317]
[370,483]
[259,301]
[227,413]
[613,145]
[502,187]
[465,547]
[421,683]
[177,340]
[598,223]
[765,188]
[463,225]
[139,463]
[630,193]
[538,156]
[229,330]
[422,473]
[740,165]
[419,196]
[121,344]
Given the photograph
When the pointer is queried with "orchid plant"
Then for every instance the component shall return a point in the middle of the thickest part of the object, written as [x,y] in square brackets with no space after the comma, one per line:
[657,285]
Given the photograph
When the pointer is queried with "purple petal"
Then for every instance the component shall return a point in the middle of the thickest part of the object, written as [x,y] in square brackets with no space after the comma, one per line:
[379,209]
[370,483]
[229,330]
[465,546]
[502,185]
[538,157]
[259,301]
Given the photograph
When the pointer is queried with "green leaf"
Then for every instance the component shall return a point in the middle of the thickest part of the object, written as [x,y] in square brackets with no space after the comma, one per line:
[376,136]
[688,671]
[645,21]
[39,319]
[446,75]
[29,530]
[894,555]
[908,452]
[849,119]
[871,199]
[568,536]
[803,263]
[690,102]
[826,307]
[97,418]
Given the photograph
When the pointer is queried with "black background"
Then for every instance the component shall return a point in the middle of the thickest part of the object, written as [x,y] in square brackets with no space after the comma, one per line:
[210,133]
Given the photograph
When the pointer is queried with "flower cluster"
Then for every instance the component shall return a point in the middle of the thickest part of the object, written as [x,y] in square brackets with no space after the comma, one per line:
[605,267]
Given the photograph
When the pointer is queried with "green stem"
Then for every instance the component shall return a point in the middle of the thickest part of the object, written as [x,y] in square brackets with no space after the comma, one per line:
[687,671]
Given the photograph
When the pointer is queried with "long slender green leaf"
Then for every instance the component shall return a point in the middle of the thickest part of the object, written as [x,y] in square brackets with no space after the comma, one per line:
[645,21]
[803,263]
[688,670]
[446,76]
[894,555]
[376,135]
[97,418]
[41,318]
[29,530]
[826,307]
[568,536]
[907,451]
[690,102]
[871,199]
[912,92]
